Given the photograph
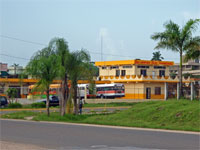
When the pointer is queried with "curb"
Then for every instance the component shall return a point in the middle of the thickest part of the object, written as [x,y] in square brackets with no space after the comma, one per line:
[109,126]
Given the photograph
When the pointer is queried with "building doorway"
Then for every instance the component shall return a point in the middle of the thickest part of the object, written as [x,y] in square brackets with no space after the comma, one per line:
[148,93]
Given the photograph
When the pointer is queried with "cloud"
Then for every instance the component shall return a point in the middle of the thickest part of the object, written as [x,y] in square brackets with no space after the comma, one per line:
[108,44]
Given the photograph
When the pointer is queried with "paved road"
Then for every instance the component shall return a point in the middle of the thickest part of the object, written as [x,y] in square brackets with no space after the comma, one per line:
[66,136]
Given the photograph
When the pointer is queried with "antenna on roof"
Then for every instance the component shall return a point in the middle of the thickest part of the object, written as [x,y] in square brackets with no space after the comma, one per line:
[101,48]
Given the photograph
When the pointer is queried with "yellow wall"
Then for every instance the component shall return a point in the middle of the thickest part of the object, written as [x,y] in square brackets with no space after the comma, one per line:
[132,71]
[152,86]
[112,72]
[150,71]
[138,90]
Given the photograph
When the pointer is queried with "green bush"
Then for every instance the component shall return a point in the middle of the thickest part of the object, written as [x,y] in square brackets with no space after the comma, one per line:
[14,105]
[38,105]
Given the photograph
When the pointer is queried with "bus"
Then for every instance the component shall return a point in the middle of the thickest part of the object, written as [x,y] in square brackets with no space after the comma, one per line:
[84,89]
[110,90]
[101,91]
[54,90]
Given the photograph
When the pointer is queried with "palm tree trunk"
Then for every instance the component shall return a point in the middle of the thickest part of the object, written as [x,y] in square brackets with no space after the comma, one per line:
[180,78]
[75,100]
[47,103]
[65,95]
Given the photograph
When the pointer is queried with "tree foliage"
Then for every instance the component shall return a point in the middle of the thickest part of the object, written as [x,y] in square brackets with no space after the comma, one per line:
[79,62]
[12,94]
[157,56]
[178,40]
[60,48]
[56,61]
[44,67]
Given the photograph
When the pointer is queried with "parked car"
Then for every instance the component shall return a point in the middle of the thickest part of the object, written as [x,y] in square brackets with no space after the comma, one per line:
[53,100]
[3,101]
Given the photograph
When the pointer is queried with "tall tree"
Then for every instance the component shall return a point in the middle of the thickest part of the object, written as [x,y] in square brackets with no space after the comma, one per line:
[193,53]
[43,66]
[60,47]
[178,40]
[78,69]
[15,68]
[157,56]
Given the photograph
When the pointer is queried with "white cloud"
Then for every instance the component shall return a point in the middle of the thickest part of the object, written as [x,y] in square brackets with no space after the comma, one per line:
[108,44]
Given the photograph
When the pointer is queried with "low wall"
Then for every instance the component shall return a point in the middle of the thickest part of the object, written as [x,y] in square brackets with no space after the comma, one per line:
[118,100]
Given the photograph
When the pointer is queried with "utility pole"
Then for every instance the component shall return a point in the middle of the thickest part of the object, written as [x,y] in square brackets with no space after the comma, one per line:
[101,48]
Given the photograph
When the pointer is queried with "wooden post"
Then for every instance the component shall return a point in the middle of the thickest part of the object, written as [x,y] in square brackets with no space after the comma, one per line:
[178,91]
[166,90]
[192,91]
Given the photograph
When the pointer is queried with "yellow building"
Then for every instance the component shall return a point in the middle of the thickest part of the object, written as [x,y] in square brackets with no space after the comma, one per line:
[143,79]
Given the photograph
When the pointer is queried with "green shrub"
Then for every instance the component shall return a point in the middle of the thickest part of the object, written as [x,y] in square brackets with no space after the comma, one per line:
[38,105]
[14,105]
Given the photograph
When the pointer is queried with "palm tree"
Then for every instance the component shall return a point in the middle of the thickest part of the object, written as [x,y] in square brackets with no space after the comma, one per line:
[43,66]
[79,62]
[15,68]
[60,47]
[193,53]
[178,40]
[157,56]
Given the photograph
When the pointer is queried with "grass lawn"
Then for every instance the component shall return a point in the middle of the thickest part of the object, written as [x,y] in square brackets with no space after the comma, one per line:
[85,105]
[171,114]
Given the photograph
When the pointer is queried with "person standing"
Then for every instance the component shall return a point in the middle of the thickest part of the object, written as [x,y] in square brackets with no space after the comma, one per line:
[80,106]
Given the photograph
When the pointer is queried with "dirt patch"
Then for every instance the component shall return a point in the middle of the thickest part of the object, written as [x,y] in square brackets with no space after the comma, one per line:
[29,118]
[4,145]
[179,114]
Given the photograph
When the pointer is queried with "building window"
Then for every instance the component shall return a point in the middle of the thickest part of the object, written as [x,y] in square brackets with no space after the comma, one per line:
[117,72]
[104,67]
[114,67]
[159,67]
[142,66]
[128,66]
[157,90]
[161,73]
[144,72]
[188,66]
[153,74]
[123,72]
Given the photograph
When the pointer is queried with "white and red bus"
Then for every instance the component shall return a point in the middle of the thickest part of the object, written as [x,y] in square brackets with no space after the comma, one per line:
[110,90]
[84,89]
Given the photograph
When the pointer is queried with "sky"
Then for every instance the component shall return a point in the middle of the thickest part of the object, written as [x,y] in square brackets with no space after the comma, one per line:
[123,27]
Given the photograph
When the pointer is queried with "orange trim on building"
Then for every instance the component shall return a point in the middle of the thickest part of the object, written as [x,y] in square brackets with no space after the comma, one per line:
[16,80]
[153,96]
[32,81]
[133,96]
[132,62]
[141,96]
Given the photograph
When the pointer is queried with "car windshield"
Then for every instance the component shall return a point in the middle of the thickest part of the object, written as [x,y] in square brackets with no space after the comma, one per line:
[2,99]
[54,98]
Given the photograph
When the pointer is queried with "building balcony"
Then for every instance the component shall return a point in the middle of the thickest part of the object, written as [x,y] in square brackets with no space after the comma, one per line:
[141,78]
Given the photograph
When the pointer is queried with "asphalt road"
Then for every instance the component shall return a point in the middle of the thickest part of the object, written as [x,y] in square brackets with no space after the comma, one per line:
[66,136]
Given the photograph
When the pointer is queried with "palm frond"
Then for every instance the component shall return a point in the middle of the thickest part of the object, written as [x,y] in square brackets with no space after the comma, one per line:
[192,43]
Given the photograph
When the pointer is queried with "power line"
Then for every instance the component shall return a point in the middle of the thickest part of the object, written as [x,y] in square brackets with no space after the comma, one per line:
[21,40]
[98,53]
[14,57]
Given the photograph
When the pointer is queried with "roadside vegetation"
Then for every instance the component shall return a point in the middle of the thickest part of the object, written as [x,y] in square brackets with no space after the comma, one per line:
[171,114]
[180,40]
[56,61]
[42,105]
